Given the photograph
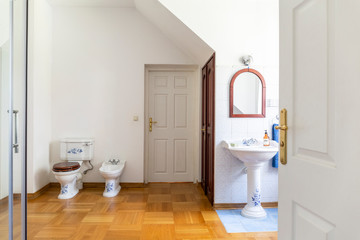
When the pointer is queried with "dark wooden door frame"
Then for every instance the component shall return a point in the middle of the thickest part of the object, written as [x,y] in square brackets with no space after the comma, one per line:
[203,129]
[208,128]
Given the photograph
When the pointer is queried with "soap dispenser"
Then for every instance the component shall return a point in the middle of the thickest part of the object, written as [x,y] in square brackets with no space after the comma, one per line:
[266,139]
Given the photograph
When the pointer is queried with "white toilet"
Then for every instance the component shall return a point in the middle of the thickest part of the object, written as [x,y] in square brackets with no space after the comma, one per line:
[73,152]
[111,170]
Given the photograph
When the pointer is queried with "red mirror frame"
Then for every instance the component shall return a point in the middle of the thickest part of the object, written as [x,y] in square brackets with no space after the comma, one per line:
[263,110]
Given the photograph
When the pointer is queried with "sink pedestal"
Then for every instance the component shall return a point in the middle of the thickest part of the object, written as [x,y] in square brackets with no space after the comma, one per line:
[253,208]
[254,157]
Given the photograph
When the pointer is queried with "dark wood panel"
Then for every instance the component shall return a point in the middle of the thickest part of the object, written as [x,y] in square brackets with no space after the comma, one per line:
[221,206]
[208,120]
[203,130]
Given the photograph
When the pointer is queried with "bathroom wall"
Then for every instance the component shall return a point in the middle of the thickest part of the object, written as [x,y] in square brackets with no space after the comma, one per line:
[4,19]
[174,29]
[98,82]
[39,94]
[4,123]
[235,28]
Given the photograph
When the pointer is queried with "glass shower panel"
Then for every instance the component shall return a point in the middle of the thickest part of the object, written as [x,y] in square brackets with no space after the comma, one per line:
[4,117]
[13,16]
[19,119]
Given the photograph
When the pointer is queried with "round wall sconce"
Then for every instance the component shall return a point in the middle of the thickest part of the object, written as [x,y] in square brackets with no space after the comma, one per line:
[246,60]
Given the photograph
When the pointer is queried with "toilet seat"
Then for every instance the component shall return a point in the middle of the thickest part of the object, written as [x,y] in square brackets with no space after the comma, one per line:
[66,166]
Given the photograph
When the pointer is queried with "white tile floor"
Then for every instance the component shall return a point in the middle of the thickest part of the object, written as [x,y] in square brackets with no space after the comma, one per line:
[234,222]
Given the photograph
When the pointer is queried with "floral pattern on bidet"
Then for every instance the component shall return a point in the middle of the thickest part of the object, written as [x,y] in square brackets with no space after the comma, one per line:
[75,151]
[64,189]
[109,187]
[256,197]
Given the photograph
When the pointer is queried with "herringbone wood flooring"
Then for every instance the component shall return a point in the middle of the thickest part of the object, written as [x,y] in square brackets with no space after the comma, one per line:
[157,211]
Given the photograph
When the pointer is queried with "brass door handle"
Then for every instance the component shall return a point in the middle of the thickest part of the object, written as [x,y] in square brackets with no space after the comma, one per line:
[151,122]
[203,129]
[282,127]
[283,140]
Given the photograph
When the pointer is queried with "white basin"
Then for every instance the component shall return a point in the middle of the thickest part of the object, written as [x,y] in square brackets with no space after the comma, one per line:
[253,156]
[256,153]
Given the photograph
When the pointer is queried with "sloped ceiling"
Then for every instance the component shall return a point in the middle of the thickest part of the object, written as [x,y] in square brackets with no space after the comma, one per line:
[182,36]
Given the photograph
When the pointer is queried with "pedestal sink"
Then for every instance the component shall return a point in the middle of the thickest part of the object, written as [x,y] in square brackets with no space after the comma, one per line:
[254,157]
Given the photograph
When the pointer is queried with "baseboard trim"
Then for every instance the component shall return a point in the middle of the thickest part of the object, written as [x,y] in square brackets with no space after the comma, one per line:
[85,185]
[102,184]
[223,206]
[4,200]
[169,182]
[30,196]
[42,190]
[16,196]
[39,192]
[132,185]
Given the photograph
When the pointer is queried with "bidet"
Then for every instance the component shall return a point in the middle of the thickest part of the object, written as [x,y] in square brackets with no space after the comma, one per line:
[111,170]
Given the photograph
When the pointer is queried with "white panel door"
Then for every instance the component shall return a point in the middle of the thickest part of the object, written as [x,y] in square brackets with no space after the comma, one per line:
[171,106]
[319,188]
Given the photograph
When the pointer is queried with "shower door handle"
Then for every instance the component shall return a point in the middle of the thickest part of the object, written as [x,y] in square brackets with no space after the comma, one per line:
[16,128]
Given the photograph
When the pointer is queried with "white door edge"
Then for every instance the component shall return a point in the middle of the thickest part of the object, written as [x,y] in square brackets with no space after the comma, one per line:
[197,113]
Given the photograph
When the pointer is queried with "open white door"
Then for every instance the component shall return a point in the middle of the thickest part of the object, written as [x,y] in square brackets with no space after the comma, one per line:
[319,188]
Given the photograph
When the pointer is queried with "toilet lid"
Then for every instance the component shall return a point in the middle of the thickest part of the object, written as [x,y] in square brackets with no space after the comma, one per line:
[66,166]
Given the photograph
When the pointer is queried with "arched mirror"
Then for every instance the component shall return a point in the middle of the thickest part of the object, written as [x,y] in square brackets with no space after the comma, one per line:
[247,94]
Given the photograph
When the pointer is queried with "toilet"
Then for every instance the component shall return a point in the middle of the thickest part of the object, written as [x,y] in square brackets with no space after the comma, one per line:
[111,170]
[73,153]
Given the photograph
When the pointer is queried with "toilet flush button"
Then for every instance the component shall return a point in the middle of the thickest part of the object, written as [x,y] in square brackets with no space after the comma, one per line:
[136,118]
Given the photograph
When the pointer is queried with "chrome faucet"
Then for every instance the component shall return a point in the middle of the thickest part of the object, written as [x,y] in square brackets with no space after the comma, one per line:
[114,161]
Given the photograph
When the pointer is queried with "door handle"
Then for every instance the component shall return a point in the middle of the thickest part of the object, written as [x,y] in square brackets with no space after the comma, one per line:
[282,127]
[151,122]
[16,127]
[16,140]
[283,140]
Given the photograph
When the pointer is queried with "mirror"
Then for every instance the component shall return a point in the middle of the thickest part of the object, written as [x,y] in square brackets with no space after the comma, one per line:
[247,94]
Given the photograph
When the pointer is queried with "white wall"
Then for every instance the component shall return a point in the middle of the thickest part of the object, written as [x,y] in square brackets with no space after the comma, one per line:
[4,21]
[233,29]
[4,122]
[173,28]
[99,55]
[39,94]
[4,75]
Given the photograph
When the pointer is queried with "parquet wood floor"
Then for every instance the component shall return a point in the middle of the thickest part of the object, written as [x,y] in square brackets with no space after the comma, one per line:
[176,211]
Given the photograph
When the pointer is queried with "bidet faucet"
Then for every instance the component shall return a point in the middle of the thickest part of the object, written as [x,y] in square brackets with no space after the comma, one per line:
[114,161]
